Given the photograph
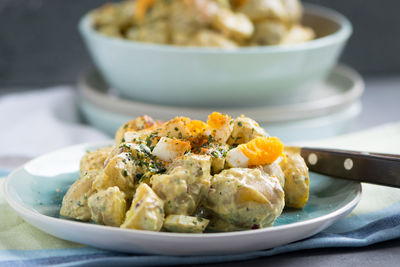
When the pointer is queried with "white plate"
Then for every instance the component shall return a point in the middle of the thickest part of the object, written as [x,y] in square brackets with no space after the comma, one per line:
[341,89]
[35,191]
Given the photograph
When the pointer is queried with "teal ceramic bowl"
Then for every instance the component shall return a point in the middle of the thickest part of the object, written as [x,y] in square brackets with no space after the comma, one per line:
[197,76]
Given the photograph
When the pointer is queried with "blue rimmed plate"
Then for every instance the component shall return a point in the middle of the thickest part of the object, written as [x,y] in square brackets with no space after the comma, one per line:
[35,191]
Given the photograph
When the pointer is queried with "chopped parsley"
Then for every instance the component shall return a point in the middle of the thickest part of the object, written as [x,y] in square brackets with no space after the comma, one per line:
[148,140]
[215,154]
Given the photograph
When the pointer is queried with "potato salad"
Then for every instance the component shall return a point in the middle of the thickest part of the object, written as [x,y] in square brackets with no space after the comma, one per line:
[205,23]
[188,176]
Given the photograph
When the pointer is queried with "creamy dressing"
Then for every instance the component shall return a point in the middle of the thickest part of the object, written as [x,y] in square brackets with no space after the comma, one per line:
[188,184]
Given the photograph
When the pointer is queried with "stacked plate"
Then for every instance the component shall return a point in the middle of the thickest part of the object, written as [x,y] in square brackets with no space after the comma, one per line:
[326,111]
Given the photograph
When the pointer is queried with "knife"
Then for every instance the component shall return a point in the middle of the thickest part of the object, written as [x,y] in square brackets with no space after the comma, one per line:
[367,167]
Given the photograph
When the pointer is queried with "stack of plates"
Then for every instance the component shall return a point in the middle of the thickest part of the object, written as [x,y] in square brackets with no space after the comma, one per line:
[326,111]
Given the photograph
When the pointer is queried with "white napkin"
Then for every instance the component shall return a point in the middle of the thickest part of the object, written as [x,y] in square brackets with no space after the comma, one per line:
[36,122]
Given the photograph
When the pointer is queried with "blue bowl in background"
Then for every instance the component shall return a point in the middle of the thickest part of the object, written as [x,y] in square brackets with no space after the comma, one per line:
[198,76]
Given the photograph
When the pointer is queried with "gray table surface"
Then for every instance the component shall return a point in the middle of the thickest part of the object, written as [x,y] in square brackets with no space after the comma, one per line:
[381,104]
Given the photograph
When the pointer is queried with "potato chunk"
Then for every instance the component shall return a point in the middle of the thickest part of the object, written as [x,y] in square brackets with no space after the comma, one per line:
[146,211]
[118,15]
[175,128]
[140,123]
[264,9]
[233,25]
[269,32]
[185,20]
[110,31]
[218,225]
[185,224]
[93,160]
[145,136]
[120,171]
[108,206]
[128,164]
[207,38]
[298,34]
[74,204]
[245,130]
[246,198]
[185,184]
[154,32]
[294,10]
[218,154]
[296,179]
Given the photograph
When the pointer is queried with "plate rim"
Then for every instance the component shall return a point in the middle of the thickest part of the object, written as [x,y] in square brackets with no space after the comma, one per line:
[21,209]
[301,110]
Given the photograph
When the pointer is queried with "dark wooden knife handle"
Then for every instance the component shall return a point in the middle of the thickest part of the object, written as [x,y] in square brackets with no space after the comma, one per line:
[375,168]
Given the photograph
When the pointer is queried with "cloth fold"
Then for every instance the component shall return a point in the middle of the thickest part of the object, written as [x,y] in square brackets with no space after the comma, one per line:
[38,122]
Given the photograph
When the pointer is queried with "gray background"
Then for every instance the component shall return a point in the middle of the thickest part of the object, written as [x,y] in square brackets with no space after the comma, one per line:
[40,45]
